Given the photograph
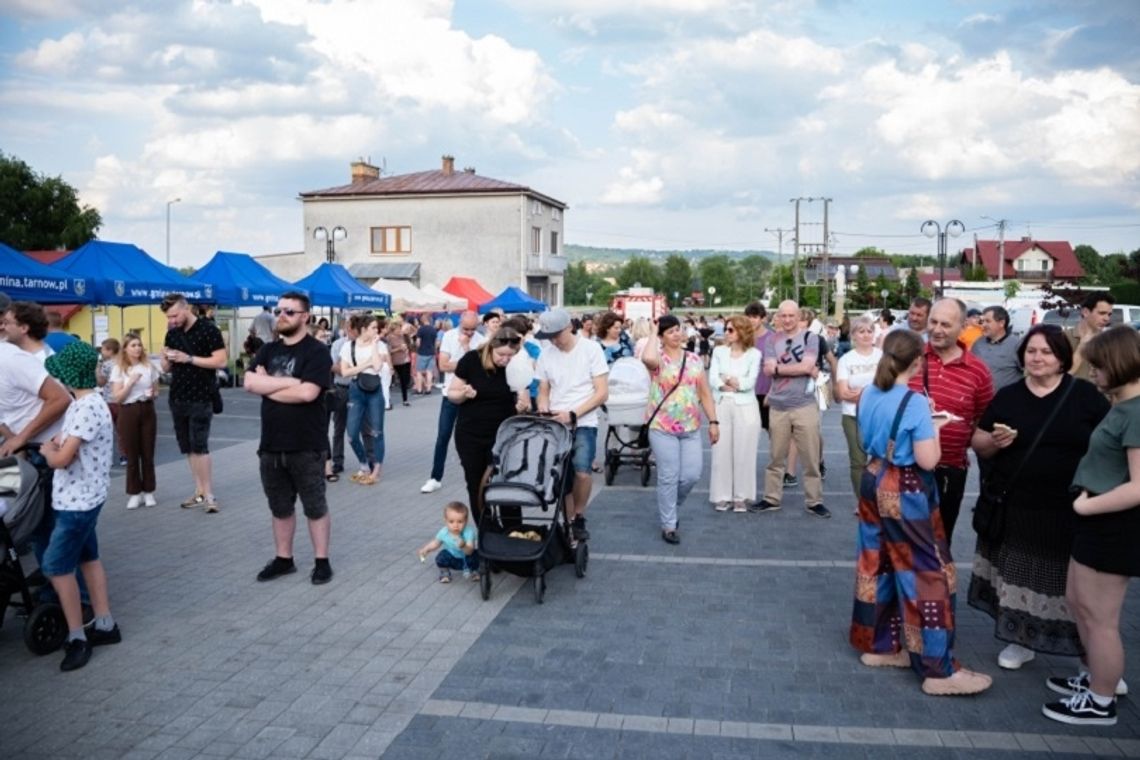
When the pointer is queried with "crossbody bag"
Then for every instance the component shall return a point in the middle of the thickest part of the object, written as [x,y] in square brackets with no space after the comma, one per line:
[366,381]
[643,434]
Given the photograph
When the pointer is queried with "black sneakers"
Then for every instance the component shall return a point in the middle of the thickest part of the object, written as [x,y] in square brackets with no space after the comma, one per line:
[763,506]
[322,573]
[819,510]
[1080,682]
[1081,710]
[790,480]
[276,567]
[578,529]
[76,654]
[99,638]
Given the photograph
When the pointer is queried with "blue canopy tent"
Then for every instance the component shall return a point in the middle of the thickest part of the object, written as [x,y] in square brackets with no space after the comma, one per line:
[123,274]
[513,301]
[332,285]
[23,278]
[239,280]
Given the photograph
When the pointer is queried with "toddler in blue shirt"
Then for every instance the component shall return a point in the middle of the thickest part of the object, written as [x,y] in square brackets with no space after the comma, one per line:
[457,539]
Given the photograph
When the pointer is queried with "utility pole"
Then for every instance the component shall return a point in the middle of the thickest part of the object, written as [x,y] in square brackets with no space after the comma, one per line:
[1001,251]
[796,255]
[779,233]
[826,272]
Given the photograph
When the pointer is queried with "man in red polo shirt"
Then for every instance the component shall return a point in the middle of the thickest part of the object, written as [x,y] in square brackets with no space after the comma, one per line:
[958,382]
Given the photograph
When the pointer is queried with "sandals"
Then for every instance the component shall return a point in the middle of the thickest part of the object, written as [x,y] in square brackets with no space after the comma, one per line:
[444,575]
[332,477]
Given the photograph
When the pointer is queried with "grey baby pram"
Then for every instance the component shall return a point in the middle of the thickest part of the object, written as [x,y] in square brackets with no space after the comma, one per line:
[24,496]
[523,527]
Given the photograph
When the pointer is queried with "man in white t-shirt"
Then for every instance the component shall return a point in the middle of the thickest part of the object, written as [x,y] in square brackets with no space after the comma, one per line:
[31,402]
[573,383]
[455,343]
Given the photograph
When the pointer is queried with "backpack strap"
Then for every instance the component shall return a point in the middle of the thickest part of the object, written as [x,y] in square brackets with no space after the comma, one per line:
[895,426]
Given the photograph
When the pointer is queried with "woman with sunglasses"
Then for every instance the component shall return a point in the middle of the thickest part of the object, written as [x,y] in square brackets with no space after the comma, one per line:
[733,371]
[479,388]
[677,394]
[364,357]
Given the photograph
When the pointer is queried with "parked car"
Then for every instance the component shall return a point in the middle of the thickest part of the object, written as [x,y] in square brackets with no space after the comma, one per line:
[1067,316]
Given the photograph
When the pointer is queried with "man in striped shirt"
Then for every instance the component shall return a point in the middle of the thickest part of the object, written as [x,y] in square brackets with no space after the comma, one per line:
[957,382]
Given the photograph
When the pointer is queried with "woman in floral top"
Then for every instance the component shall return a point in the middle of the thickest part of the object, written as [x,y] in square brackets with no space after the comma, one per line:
[674,431]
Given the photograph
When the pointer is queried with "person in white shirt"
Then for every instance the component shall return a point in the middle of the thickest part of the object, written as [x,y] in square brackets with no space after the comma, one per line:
[573,383]
[26,326]
[362,361]
[733,371]
[455,343]
[31,403]
[134,386]
[855,371]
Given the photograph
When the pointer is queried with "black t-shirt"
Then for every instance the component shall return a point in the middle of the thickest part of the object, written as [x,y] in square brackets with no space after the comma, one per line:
[494,400]
[295,427]
[1046,477]
[425,340]
[189,383]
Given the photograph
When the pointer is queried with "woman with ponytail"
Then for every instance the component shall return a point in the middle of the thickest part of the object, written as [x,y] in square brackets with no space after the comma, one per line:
[905,580]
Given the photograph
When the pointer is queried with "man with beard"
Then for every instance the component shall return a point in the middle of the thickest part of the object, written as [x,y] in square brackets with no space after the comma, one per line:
[958,382]
[291,375]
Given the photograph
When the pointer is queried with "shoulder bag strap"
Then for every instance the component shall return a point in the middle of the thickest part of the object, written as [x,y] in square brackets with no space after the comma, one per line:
[668,393]
[1040,433]
[895,426]
[352,350]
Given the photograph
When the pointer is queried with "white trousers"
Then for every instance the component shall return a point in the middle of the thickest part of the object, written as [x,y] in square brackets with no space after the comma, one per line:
[734,456]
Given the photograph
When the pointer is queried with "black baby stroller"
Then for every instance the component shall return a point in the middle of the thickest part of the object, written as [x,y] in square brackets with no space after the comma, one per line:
[523,527]
[24,495]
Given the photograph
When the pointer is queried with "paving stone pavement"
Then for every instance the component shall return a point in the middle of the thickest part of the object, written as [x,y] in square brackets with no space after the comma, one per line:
[732,644]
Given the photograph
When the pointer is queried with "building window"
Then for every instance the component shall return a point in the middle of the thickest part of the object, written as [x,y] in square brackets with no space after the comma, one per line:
[556,214]
[536,240]
[536,208]
[391,239]
[553,243]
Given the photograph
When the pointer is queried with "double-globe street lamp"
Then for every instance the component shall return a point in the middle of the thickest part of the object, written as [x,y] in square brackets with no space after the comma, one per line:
[330,238]
[953,228]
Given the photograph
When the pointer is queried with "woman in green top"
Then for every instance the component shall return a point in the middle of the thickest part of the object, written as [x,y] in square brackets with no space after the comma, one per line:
[1104,556]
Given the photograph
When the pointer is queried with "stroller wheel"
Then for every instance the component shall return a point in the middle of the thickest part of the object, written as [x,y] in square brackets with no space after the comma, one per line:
[611,468]
[485,581]
[45,629]
[645,472]
[539,588]
[581,558]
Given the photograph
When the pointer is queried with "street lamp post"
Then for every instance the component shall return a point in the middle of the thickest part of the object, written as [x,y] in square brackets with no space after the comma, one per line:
[931,228]
[338,233]
[589,298]
[884,293]
[712,292]
[168,205]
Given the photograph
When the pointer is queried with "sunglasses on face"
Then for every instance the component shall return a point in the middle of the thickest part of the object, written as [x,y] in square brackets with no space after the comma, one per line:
[288,312]
[502,342]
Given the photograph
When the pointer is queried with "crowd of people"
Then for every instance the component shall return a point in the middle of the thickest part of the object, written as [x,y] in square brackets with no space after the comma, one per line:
[1051,417]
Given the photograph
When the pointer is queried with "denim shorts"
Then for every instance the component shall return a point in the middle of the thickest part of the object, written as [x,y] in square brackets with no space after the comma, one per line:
[424,363]
[285,475]
[585,446]
[72,542]
[192,425]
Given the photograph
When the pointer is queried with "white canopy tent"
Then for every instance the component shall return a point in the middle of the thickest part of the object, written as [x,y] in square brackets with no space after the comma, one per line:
[451,302]
[407,297]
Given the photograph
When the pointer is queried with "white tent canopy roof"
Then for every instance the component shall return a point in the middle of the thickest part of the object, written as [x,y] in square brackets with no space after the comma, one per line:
[452,302]
[407,297]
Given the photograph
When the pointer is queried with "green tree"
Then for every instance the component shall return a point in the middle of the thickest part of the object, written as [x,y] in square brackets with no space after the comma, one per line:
[859,293]
[41,213]
[1134,264]
[718,272]
[975,273]
[639,270]
[781,283]
[1011,289]
[676,277]
[870,251]
[751,272]
[912,287]
[1089,258]
[576,282]
[1114,268]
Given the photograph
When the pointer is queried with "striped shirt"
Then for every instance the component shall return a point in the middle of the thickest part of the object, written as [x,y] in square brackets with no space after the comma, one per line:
[962,387]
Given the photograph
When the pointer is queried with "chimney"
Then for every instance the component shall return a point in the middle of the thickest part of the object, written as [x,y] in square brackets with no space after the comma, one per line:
[449,165]
[362,171]
[468,169]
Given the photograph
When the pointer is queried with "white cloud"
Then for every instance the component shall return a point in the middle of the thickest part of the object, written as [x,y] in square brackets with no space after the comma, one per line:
[54,56]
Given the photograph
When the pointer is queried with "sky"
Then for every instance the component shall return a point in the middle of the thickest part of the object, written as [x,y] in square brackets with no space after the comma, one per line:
[666,124]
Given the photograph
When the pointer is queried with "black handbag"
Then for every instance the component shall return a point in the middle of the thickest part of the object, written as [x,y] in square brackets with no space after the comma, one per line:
[992,510]
[643,434]
[366,381]
[216,399]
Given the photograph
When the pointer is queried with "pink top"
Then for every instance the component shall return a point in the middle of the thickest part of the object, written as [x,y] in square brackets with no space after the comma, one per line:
[682,412]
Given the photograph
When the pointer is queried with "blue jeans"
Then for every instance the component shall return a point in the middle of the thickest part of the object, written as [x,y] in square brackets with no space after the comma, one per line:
[73,542]
[585,447]
[373,405]
[447,414]
[446,559]
[679,463]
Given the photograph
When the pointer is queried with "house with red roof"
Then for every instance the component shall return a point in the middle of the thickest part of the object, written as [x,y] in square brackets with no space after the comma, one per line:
[428,226]
[1026,260]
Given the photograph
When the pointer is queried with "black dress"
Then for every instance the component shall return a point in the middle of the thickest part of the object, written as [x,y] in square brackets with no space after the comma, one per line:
[479,418]
[1020,582]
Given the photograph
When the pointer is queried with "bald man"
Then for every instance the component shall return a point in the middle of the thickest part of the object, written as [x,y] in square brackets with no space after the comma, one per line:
[958,382]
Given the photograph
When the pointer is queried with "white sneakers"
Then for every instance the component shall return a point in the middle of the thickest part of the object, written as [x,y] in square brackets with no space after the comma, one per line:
[431,486]
[142,500]
[1014,656]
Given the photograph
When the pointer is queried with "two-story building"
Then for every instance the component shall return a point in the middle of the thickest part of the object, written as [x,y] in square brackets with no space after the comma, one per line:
[427,226]
[1026,260]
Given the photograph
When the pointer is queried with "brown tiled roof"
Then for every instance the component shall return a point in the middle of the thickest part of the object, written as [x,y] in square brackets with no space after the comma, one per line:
[435,182]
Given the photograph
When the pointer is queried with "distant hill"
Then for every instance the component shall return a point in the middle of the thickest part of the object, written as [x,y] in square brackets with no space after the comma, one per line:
[590,254]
